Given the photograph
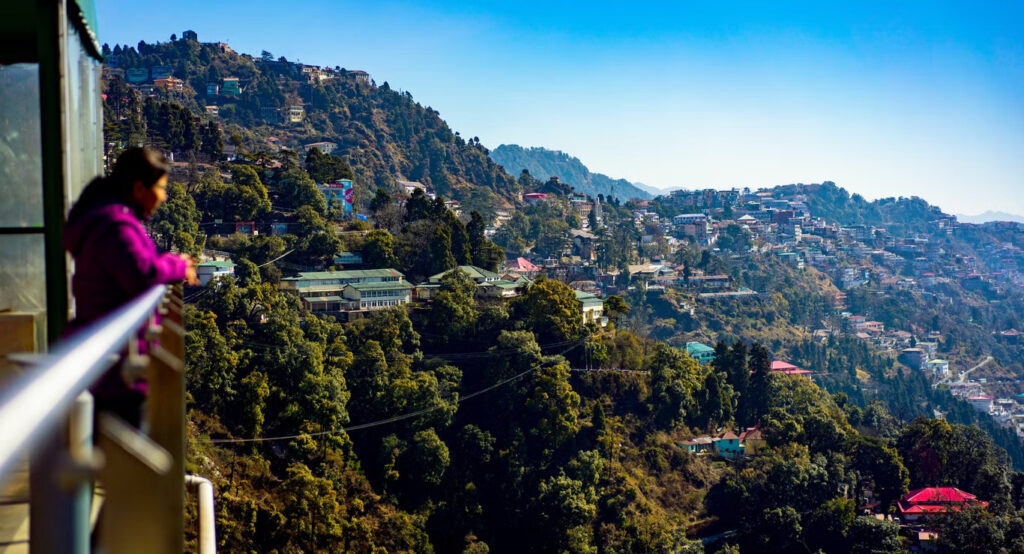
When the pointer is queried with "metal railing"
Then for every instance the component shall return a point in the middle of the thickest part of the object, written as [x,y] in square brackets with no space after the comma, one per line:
[46,415]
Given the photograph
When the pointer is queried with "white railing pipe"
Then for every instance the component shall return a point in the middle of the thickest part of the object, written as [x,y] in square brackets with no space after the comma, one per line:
[207,517]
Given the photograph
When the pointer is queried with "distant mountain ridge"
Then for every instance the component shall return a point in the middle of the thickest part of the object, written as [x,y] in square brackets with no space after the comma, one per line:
[988,216]
[543,163]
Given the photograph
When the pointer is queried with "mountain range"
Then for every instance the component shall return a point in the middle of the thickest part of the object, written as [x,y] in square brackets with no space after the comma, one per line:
[543,163]
[988,216]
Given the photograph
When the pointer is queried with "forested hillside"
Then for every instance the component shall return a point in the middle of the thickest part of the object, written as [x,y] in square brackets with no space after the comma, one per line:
[897,214]
[382,133]
[542,163]
[473,424]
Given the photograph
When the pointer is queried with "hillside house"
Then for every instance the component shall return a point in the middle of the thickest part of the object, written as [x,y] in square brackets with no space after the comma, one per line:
[710,282]
[325,291]
[360,76]
[137,75]
[349,258]
[914,357]
[207,271]
[533,198]
[411,186]
[752,440]
[583,244]
[654,273]
[939,368]
[160,72]
[701,352]
[728,445]
[786,368]
[376,295]
[699,445]
[592,308]
[935,502]
[981,402]
[296,114]
[230,86]
[488,284]
[522,266]
[171,84]
[323,146]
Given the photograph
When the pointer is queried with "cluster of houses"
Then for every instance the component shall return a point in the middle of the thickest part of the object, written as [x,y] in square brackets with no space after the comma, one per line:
[148,79]
[726,445]
[357,292]
[1007,412]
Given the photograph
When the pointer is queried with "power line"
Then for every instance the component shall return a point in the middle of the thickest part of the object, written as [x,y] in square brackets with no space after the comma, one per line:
[481,354]
[277,258]
[383,421]
[195,295]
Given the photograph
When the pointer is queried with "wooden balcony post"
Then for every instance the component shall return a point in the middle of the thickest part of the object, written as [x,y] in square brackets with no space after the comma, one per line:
[133,513]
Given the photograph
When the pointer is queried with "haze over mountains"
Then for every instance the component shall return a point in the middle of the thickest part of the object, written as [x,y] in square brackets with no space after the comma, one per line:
[543,163]
[988,216]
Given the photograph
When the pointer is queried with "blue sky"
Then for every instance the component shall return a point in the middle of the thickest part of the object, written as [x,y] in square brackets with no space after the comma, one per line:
[885,99]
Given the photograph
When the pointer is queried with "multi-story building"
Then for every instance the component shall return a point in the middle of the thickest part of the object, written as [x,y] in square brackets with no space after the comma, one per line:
[172,84]
[341,291]
[592,308]
[231,86]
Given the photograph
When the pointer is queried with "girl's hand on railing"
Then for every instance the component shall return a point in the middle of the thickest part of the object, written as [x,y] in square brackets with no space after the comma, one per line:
[190,273]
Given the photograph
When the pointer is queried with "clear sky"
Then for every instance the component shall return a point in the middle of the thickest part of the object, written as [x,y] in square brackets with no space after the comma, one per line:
[884,98]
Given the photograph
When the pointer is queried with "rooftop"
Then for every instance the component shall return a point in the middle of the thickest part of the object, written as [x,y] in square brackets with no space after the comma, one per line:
[217,263]
[475,273]
[382,285]
[347,274]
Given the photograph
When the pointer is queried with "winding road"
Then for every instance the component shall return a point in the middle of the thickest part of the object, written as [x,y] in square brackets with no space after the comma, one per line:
[963,376]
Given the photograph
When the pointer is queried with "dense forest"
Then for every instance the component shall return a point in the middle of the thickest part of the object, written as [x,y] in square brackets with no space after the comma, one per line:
[473,425]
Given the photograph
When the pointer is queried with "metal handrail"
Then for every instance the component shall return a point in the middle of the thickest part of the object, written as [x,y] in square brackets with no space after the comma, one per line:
[33,406]
[207,515]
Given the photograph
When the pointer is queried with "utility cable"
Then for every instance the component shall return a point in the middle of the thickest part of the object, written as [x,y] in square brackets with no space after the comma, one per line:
[384,421]
[277,258]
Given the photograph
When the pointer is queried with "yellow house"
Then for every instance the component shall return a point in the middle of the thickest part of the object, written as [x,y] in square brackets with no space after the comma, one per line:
[752,440]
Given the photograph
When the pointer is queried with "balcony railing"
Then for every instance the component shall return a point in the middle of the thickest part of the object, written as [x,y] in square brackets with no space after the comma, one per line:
[46,417]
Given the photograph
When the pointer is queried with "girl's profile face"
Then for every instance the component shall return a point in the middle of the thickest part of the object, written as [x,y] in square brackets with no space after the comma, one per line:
[150,198]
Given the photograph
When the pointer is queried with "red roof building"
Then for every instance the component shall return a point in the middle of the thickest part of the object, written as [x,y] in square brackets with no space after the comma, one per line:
[786,368]
[522,265]
[935,501]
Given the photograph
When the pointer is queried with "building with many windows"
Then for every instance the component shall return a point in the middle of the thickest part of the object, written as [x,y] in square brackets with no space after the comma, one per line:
[346,291]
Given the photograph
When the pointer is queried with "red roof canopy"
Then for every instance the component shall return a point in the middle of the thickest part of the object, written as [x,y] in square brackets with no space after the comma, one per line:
[932,495]
[936,500]
[779,365]
[523,264]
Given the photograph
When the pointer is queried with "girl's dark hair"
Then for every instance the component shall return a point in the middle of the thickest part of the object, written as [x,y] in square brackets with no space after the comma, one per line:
[136,164]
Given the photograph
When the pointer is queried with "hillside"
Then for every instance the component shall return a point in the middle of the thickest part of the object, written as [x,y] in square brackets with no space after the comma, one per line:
[543,163]
[384,135]
[459,420]
[838,205]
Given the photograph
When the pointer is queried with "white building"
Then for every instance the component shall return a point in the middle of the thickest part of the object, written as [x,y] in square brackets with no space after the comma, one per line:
[207,271]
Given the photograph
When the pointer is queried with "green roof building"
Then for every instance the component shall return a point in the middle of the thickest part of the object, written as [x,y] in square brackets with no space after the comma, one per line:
[592,308]
[701,352]
[478,274]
